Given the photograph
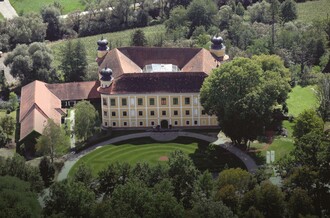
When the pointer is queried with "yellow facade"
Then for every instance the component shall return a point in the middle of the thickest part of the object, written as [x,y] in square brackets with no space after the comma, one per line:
[150,110]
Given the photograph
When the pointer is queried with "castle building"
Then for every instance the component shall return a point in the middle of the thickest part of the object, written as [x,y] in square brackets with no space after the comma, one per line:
[138,87]
[149,87]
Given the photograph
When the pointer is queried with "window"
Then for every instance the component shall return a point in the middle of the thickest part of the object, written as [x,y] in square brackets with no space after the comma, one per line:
[203,112]
[113,123]
[187,122]
[152,101]
[176,113]
[163,101]
[105,123]
[195,122]
[124,113]
[123,101]
[105,113]
[113,102]
[105,102]
[175,123]
[141,123]
[113,113]
[140,101]
[187,112]
[187,100]
[140,113]
[164,113]
[175,101]
[152,123]
[152,113]
[125,123]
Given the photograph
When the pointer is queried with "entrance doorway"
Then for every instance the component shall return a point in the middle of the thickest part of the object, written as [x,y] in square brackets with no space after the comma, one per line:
[164,124]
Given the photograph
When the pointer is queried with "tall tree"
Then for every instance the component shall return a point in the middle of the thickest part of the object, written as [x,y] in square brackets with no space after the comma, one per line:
[52,140]
[86,118]
[51,15]
[288,10]
[13,101]
[242,95]
[138,38]
[323,95]
[8,126]
[307,122]
[47,171]
[74,61]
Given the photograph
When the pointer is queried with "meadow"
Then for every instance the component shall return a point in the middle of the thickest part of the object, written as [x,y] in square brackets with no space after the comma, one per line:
[153,152]
[27,6]
[313,10]
[115,39]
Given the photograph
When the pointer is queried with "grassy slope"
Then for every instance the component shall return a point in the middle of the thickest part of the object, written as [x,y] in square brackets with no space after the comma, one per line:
[131,154]
[300,99]
[35,5]
[116,39]
[313,10]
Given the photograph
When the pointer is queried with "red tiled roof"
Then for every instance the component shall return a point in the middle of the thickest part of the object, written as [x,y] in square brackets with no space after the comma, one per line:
[133,59]
[75,90]
[156,83]
[41,101]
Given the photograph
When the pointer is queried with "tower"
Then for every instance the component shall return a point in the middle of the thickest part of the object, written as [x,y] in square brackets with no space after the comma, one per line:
[106,77]
[103,48]
[218,49]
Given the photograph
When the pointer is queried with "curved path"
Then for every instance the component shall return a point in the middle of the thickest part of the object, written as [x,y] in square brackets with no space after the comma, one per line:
[7,10]
[160,136]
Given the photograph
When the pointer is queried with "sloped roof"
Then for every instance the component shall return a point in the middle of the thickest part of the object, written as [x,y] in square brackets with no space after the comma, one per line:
[156,83]
[41,101]
[133,59]
[75,90]
[37,105]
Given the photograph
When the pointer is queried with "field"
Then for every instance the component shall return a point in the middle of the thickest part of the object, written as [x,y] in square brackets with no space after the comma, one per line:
[300,99]
[116,39]
[27,6]
[313,10]
[152,152]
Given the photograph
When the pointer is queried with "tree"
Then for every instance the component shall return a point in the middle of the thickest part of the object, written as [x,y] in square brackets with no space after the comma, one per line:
[85,119]
[260,12]
[17,199]
[69,199]
[13,101]
[242,95]
[52,140]
[200,13]
[307,122]
[138,38]
[267,198]
[183,175]
[3,138]
[83,175]
[177,19]
[207,208]
[33,62]
[47,171]
[300,203]
[323,96]
[74,61]
[288,10]
[8,126]
[51,15]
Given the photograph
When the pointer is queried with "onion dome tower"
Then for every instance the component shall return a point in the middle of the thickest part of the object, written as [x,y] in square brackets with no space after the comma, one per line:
[103,48]
[218,49]
[106,77]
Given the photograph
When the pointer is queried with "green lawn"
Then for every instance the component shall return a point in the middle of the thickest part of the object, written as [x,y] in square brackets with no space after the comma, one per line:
[147,150]
[1,17]
[116,39]
[27,6]
[313,10]
[300,99]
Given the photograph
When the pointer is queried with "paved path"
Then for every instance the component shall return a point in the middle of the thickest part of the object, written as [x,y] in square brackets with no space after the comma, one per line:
[161,136]
[7,10]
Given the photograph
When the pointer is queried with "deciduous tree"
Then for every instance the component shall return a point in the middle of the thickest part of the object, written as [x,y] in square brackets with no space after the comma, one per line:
[8,126]
[47,171]
[85,119]
[307,122]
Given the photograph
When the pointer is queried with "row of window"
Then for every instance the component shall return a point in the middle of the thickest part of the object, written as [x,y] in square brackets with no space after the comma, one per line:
[163,101]
[152,123]
[152,113]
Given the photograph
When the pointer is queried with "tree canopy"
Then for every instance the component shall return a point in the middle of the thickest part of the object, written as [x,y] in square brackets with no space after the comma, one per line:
[86,118]
[242,94]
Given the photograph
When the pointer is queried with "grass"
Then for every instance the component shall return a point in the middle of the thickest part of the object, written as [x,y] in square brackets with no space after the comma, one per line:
[116,39]
[27,6]
[313,10]
[1,17]
[300,99]
[148,150]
